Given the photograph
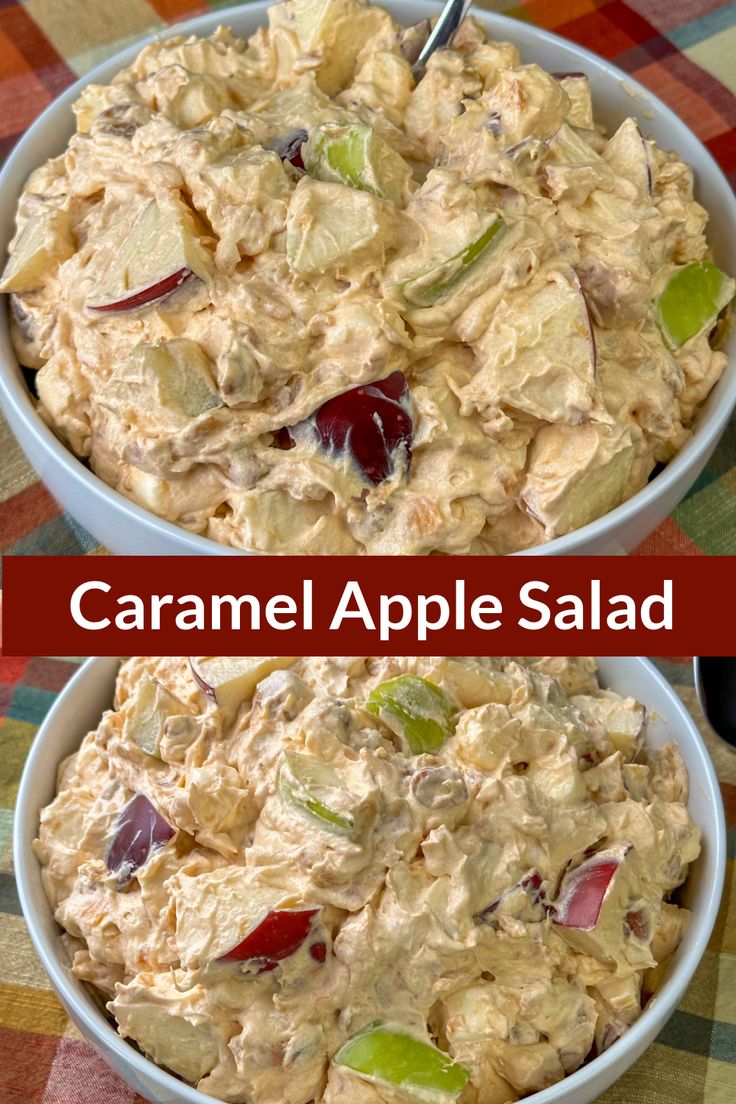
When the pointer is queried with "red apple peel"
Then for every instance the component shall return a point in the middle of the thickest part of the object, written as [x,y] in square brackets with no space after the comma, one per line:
[371,422]
[207,690]
[139,831]
[583,890]
[147,295]
[278,935]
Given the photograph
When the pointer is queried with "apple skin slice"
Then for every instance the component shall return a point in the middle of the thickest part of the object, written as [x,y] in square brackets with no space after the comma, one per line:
[575,281]
[147,295]
[691,300]
[438,281]
[584,889]
[300,779]
[140,830]
[278,935]
[417,1069]
[371,421]
[289,147]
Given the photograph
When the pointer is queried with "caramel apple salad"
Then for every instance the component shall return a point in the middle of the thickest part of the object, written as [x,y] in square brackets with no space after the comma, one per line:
[296,296]
[439,880]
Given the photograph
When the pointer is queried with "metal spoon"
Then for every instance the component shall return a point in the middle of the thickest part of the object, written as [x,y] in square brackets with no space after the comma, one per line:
[450,19]
[715,683]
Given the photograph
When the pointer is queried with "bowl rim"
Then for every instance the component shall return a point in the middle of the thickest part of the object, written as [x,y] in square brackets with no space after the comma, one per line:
[27,869]
[16,398]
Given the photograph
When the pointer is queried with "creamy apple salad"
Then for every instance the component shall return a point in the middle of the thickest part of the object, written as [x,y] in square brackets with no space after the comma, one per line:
[436,879]
[296,295]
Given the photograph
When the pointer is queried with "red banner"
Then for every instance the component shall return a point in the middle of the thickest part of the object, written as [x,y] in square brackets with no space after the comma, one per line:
[377,605]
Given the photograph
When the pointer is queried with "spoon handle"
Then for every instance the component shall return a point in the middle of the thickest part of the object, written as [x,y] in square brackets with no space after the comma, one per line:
[450,19]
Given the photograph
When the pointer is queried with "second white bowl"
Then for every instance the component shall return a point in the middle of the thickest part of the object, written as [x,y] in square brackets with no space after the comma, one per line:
[78,709]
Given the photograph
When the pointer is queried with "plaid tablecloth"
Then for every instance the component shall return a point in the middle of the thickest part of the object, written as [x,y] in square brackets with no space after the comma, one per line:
[685,50]
[43,1060]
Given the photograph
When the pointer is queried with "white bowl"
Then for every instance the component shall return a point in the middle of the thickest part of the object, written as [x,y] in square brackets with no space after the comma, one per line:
[126,528]
[78,709]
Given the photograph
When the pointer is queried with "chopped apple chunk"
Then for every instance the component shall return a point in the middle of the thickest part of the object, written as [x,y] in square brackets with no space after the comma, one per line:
[623,719]
[549,369]
[577,88]
[584,889]
[230,680]
[371,423]
[327,228]
[359,157]
[525,895]
[183,1041]
[162,251]
[628,155]
[416,710]
[147,711]
[575,472]
[600,910]
[331,33]
[89,105]
[44,242]
[231,915]
[174,379]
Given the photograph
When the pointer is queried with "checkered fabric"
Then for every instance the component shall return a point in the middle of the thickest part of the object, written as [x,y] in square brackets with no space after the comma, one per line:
[43,1060]
[684,50]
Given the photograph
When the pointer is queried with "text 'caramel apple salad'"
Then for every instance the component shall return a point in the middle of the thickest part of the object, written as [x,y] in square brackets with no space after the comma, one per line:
[439,880]
[286,295]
